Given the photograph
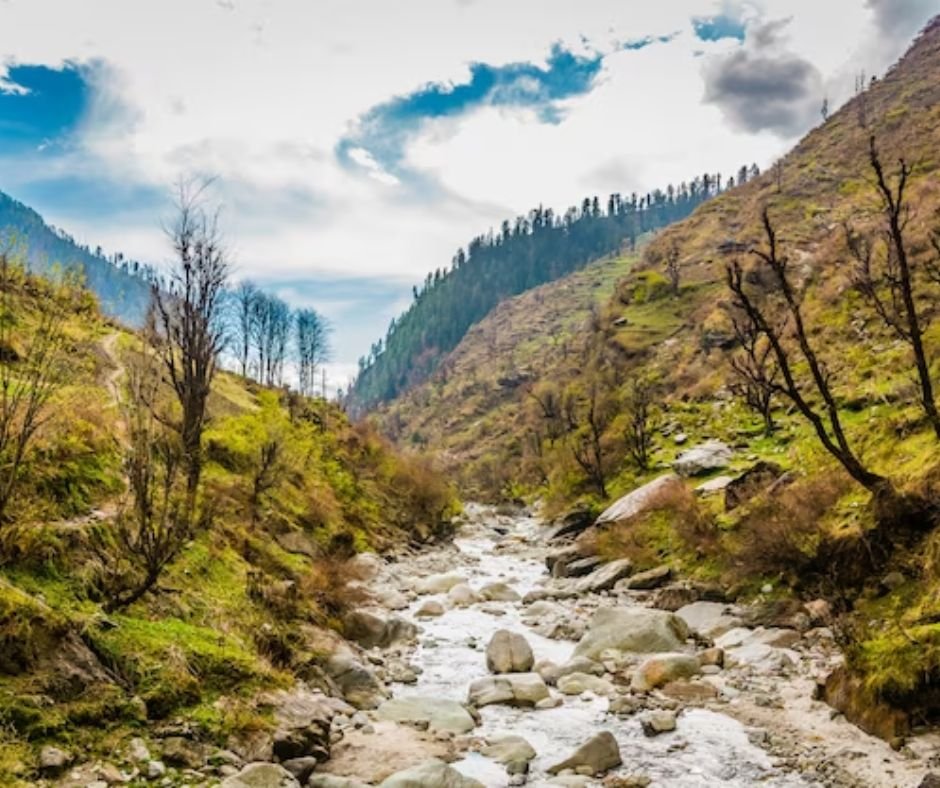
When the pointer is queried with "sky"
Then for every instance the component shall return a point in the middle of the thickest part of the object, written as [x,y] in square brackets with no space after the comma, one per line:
[356,144]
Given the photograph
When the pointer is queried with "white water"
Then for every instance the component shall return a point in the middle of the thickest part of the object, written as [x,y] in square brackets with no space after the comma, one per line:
[707,749]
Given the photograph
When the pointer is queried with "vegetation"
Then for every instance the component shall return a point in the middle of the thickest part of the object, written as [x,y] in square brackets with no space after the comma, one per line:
[763,327]
[535,249]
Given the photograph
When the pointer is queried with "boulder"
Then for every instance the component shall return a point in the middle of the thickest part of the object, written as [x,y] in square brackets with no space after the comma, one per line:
[462,595]
[430,608]
[648,580]
[440,714]
[580,665]
[438,584]
[370,629]
[605,577]
[365,566]
[579,567]
[599,754]
[718,484]
[708,619]
[656,722]
[513,689]
[508,750]
[358,684]
[509,652]
[639,500]
[499,592]
[709,456]
[332,781]
[663,668]
[847,693]
[53,760]
[430,774]
[301,768]
[577,683]
[303,721]
[571,524]
[261,775]
[391,599]
[640,630]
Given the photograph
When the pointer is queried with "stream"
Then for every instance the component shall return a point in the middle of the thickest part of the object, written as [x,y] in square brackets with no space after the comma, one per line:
[707,748]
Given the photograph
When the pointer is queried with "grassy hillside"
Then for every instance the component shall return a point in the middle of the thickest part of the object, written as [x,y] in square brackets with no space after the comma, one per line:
[818,535]
[244,606]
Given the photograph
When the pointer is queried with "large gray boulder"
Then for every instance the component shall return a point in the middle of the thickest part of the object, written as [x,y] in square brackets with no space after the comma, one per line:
[709,619]
[509,652]
[633,629]
[599,754]
[639,500]
[513,689]
[605,577]
[261,775]
[708,456]
[370,629]
[303,724]
[359,685]
[441,714]
[508,750]
[430,774]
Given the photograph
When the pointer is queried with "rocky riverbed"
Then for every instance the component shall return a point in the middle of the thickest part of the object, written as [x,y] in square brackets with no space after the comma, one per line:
[472,664]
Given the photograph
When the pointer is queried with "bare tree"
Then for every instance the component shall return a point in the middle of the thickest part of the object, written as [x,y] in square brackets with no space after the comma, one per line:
[272,324]
[766,321]
[156,521]
[30,371]
[313,348]
[189,333]
[884,274]
[587,445]
[639,432]
[757,370]
[244,297]
[673,270]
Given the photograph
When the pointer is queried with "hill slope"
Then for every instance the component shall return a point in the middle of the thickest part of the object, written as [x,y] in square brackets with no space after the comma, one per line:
[122,294]
[251,602]
[566,433]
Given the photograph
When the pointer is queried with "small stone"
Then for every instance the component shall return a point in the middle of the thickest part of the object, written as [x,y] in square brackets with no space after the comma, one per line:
[137,750]
[656,722]
[155,770]
[53,760]
[767,588]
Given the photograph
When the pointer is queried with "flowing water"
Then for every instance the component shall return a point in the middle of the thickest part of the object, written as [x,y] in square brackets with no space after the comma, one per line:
[707,749]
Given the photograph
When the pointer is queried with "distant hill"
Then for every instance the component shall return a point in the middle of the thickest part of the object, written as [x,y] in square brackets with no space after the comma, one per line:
[525,253]
[122,286]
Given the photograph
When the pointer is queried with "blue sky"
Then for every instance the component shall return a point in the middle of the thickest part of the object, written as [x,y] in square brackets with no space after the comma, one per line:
[357,144]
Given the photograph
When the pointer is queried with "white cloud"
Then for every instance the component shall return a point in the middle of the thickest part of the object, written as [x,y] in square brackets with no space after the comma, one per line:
[260,92]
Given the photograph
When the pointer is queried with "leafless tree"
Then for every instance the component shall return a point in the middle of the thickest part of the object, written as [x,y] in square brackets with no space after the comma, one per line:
[189,334]
[157,519]
[639,434]
[31,370]
[587,445]
[243,299]
[765,320]
[313,349]
[884,273]
[757,370]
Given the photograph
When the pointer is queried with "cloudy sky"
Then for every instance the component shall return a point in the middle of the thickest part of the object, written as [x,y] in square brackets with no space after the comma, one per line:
[358,143]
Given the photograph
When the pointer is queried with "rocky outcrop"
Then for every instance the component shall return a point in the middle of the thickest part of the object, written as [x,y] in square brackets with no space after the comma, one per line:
[639,630]
[303,724]
[847,693]
[513,689]
[709,456]
[639,500]
[509,652]
[597,755]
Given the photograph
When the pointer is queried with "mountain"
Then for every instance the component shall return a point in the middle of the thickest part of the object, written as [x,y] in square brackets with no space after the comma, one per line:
[546,397]
[526,253]
[122,286]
